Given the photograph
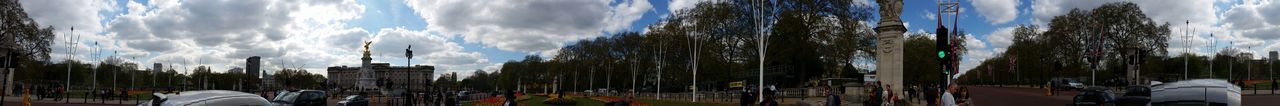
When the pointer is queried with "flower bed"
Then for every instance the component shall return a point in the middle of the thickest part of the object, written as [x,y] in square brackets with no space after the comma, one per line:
[497,100]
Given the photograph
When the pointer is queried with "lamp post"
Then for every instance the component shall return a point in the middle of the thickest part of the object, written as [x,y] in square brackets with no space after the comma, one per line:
[71,51]
[408,54]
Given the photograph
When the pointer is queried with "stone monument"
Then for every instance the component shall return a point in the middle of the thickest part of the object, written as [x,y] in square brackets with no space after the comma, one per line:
[889,47]
[366,75]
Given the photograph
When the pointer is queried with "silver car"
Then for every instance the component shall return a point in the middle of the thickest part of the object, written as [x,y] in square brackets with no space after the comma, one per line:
[1196,92]
[206,98]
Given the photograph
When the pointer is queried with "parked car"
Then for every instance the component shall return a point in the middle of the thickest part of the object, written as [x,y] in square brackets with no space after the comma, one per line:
[301,98]
[354,100]
[1214,92]
[1094,96]
[206,98]
[1135,96]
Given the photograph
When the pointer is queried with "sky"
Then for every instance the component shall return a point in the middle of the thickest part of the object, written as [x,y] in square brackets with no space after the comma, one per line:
[467,35]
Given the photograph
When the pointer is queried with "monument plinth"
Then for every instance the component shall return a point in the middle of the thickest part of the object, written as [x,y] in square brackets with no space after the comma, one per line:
[889,45]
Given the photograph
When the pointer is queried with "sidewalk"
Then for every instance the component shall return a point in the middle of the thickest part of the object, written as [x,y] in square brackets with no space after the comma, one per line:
[18,99]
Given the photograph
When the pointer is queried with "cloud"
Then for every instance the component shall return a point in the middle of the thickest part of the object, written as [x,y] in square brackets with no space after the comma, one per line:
[929,15]
[528,26]
[84,17]
[1002,37]
[677,5]
[223,33]
[997,11]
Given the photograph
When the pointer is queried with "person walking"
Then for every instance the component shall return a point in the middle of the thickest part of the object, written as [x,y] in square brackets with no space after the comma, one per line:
[511,98]
[833,99]
[947,98]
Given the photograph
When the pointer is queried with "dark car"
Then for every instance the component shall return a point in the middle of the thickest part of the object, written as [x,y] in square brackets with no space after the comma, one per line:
[1135,96]
[354,100]
[300,98]
[1066,84]
[1094,96]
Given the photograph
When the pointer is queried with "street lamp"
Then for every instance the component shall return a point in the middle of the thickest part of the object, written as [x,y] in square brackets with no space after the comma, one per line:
[408,54]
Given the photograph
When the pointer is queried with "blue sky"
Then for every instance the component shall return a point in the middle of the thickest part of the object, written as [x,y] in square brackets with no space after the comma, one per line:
[466,35]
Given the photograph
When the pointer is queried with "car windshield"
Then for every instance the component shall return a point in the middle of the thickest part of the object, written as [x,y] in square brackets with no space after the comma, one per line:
[287,97]
[352,97]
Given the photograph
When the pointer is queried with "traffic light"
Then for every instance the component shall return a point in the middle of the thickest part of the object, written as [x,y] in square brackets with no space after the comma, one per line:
[943,49]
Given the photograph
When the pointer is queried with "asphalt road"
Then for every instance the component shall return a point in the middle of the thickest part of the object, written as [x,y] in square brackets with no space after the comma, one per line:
[1004,96]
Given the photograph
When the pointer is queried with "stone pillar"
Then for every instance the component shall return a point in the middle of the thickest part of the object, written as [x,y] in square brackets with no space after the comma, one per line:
[366,80]
[889,45]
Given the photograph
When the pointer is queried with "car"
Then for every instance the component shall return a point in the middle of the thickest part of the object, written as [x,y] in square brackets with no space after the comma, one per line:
[1066,84]
[1196,92]
[1135,96]
[1094,96]
[206,98]
[300,98]
[354,100]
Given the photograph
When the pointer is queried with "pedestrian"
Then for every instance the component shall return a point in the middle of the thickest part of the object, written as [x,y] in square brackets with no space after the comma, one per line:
[911,93]
[947,98]
[931,95]
[39,93]
[511,98]
[877,95]
[744,98]
[451,101]
[832,98]
[59,93]
[768,98]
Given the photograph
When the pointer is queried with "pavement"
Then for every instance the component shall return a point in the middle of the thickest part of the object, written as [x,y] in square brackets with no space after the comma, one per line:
[17,101]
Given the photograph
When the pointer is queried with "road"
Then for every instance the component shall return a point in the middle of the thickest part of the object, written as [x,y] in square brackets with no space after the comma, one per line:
[1006,96]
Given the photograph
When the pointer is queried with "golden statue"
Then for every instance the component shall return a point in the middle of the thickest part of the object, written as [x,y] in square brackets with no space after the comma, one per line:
[366,45]
[366,48]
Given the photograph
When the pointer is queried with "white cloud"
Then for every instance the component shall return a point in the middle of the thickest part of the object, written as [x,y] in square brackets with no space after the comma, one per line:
[222,33]
[997,11]
[529,26]
[84,17]
[1002,37]
[929,15]
[972,42]
[677,5]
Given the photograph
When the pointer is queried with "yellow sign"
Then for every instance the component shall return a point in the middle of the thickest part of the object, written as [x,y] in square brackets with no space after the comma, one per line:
[736,84]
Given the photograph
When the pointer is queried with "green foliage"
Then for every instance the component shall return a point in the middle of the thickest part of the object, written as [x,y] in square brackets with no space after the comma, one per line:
[816,39]
[479,80]
[28,42]
[298,78]
[1117,32]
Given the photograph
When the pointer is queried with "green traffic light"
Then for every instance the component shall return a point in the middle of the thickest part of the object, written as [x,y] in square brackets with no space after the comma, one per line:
[942,54]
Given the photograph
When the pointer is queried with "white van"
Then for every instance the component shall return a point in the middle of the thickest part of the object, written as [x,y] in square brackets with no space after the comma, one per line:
[207,98]
[1214,92]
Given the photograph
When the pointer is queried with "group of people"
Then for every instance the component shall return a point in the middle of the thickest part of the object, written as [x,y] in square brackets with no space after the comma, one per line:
[749,97]
[932,95]
[444,98]
[881,95]
[949,95]
[42,91]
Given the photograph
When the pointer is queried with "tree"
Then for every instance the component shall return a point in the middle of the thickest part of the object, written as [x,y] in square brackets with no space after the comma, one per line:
[479,80]
[299,78]
[1112,31]
[22,36]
